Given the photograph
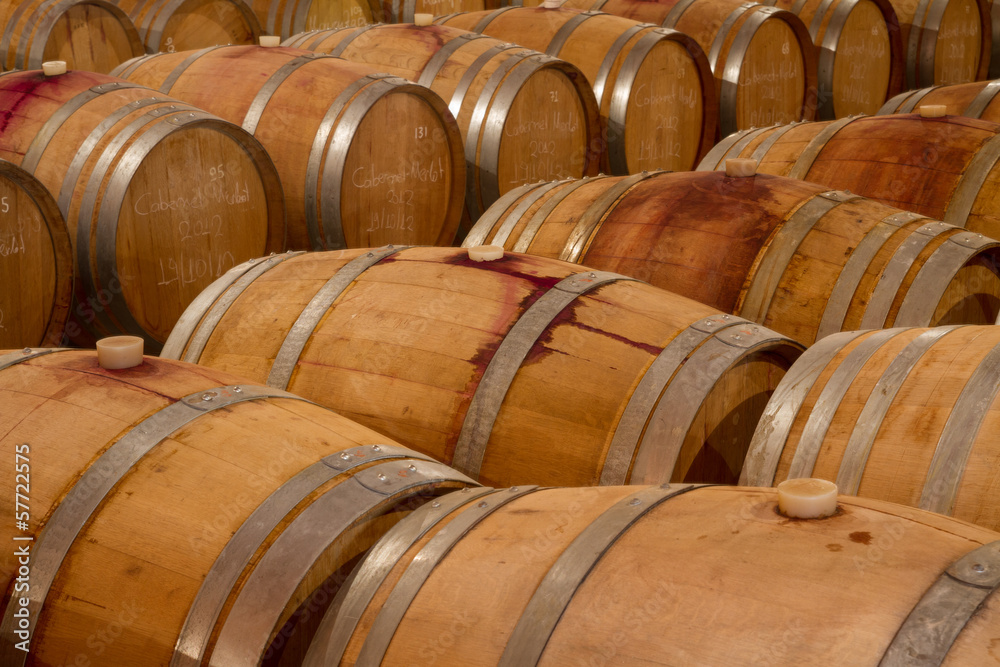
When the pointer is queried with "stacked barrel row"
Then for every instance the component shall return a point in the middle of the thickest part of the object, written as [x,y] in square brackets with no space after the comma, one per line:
[142,202]
[98,35]
[160,197]
[365,538]
[339,546]
[219,509]
[902,413]
[864,51]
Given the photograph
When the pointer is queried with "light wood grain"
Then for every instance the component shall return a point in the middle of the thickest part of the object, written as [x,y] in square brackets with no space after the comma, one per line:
[903,160]
[180,203]
[290,17]
[179,25]
[764,66]
[862,54]
[704,235]
[668,96]
[140,560]
[907,436]
[36,263]
[404,350]
[94,35]
[715,576]
[536,120]
[961,36]
[957,98]
[403,174]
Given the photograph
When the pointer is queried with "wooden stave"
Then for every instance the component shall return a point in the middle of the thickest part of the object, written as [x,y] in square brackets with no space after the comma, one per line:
[298,16]
[854,373]
[20,43]
[482,181]
[405,11]
[746,20]
[134,128]
[315,222]
[381,606]
[613,108]
[159,30]
[854,298]
[159,381]
[735,343]
[920,56]
[55,316]
[831,18]
[958,198]
[972,100]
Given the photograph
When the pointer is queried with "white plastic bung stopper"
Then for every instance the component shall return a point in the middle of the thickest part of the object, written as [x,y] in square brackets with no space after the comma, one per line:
[552,4]
[485,253]
[270,40]
[741,167]
[933,110]
[54,67]
[807,498]
[119,352]
[423,19]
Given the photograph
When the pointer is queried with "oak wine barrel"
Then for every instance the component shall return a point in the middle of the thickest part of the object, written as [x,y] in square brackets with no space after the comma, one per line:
[794,256]
[405,11]
[181,25]
[180,511]
[763,57]
[942,167]
[946,41]
[524,116]
[364,158]
[977,99]
[160,198]
[907,415]
[861,53]
[672,575]
[94,35]
[290,17]
[36,262]
[520,369]
[654,85]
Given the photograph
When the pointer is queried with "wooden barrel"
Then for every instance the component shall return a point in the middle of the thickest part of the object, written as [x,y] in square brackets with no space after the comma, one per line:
[512,370]
[861,53]
[763,58]
[95,35]
[907,415]
[525,116]
[290,17]
[858,47]
[183,512]
[180,25]
[973,100]
[946,41]
[945,168]
[405,11]
[665,576]
[36,262]
[794,256]
[160,198]
[654,85]
[364,159]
